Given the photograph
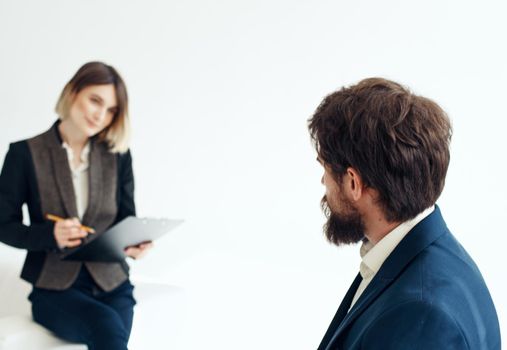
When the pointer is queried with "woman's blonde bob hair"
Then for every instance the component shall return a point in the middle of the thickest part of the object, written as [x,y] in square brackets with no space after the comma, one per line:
[117,134]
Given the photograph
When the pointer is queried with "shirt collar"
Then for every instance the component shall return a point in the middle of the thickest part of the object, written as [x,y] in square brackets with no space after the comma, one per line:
[84,156]
[374,255]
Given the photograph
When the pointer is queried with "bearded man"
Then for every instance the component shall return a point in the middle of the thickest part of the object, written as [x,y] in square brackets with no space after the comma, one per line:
[385,154]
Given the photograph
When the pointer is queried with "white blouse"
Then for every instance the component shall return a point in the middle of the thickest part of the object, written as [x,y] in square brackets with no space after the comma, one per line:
[80,177]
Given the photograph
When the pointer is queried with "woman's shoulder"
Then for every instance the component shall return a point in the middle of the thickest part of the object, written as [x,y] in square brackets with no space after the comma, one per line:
[18,154]
[39,139]
[22,147]
[19,147]
[124,164]
[124,156]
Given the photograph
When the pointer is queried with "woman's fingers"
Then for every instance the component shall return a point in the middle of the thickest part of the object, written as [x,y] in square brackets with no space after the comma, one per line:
[138,251]
[133,252]
[130,250]
[76,232]
[73,243]
[147,245]
[68,233]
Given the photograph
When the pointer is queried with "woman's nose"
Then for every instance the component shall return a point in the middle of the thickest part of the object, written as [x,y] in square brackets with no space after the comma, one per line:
[100,114]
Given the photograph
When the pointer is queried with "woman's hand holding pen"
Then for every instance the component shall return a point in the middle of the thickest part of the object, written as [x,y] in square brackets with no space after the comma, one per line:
[69,233]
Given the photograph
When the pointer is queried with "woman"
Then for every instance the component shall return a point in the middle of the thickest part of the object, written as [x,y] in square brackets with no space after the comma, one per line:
[81,170]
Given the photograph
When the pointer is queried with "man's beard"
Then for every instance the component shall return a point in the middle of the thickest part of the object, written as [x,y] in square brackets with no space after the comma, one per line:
[346,227]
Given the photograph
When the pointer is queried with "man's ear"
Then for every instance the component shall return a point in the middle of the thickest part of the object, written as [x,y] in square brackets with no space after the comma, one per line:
[353,184]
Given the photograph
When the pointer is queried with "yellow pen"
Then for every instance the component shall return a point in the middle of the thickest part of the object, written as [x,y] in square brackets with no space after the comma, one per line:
[57,218]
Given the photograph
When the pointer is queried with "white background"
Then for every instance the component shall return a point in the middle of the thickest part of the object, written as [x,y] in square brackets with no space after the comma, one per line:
[220,93]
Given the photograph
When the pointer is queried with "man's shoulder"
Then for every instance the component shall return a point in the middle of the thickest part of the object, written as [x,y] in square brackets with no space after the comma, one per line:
[441,270]
[447,260]
[440,286]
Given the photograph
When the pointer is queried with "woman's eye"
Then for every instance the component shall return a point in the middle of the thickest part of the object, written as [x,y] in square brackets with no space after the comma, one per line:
[95,100]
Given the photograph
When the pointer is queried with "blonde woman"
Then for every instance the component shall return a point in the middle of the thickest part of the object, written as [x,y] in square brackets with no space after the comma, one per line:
[81,170]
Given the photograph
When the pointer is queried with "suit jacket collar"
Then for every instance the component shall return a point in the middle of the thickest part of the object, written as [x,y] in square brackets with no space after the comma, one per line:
[421,236]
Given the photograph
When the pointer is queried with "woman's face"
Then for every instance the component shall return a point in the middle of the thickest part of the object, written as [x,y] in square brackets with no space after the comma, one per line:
[93,108]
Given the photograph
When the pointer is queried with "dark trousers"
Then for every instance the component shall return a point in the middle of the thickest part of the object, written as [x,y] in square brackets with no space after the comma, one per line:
[86,314]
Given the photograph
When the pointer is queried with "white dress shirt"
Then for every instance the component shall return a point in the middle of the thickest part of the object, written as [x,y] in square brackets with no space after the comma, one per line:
[374,255]
[80,177]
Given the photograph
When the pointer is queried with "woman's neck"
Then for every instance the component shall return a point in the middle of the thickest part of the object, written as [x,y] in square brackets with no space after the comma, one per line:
[72,136]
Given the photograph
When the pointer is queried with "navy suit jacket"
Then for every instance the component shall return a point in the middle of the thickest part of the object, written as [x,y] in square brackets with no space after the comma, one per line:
[428,294]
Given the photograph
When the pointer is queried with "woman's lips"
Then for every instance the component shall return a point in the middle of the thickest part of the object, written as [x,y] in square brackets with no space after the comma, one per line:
[91,123]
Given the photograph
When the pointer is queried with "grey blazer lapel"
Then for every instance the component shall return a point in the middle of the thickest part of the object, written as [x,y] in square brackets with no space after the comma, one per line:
[96,183]
[63,177]
[102,183]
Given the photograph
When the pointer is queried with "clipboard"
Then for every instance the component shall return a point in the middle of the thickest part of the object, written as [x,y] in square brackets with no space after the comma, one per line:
[109,245]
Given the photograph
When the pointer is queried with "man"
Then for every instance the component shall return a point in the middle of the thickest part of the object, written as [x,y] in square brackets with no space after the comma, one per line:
[385,153]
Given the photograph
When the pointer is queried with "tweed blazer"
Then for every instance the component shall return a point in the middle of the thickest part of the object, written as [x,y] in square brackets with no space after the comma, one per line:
[36,173]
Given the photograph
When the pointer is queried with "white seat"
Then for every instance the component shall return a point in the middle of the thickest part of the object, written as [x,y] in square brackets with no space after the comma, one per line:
[158,315]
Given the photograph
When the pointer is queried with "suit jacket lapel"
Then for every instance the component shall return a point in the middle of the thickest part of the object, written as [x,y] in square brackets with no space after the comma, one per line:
[96,182]
[61,172]
[341,313]
[421,236]
[374,289]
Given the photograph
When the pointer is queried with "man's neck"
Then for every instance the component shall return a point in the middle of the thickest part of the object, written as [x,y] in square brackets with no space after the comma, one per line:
[377,227]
